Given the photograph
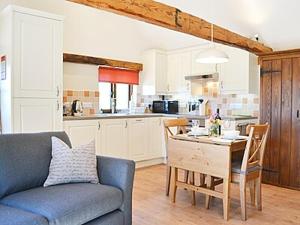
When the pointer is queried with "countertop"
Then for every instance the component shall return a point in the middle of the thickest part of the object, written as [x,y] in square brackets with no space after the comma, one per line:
[149,115]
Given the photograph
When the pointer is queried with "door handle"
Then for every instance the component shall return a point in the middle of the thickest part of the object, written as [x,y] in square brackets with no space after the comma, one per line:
[57,106]
[298,113]
[57,91]
[99,126]
[126,124]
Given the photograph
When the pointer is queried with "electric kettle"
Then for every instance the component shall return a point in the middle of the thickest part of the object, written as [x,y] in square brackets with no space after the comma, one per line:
[77,108]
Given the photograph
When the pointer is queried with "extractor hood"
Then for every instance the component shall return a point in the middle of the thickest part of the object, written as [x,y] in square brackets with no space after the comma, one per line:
[204,77]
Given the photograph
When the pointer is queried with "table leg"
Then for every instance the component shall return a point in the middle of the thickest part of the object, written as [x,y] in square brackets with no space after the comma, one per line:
[226,198]
[208,197]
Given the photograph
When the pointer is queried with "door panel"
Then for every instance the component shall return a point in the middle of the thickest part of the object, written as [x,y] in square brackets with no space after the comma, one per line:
[265,111]
[155,138]
[275,121]
[295,148]
[286,116]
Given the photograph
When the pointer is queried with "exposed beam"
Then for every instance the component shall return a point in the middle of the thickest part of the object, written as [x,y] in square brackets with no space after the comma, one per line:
[172,18]
[82,59]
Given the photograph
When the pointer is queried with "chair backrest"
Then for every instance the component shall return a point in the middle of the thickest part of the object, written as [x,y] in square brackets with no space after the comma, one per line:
[255,148]
[25,160]
[180,124]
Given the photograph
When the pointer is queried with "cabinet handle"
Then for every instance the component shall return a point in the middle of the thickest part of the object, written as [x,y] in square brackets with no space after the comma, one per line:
[298,113]
[159,122]
[126,124]
[99,125]
[57,106]
[138,120]
[57,91]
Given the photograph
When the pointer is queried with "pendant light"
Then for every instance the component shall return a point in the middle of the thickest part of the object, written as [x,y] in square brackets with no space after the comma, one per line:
[212,55]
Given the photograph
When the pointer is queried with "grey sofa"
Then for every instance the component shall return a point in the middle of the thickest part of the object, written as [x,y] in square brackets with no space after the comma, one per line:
[24,166]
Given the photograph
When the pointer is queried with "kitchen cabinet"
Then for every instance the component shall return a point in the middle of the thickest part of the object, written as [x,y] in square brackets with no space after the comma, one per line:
[138,139]
[37,59]
[83,132]
[114,138]
[154,75]
[155,138]
[240,75]
[280,105]
[179,66]
[31,96]
[36,115]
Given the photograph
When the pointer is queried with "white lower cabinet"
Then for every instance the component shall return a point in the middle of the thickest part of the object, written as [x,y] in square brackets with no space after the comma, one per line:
[156,147]
[36,115]
[138,139]
[83,132]
[113,138]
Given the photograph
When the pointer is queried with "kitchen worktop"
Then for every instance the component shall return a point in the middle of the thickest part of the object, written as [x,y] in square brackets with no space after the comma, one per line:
[148,115]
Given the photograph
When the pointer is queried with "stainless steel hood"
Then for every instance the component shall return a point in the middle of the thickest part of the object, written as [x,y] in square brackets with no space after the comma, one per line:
[204,77]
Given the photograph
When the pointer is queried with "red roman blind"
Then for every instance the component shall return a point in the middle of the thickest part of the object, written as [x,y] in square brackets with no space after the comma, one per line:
[116,75]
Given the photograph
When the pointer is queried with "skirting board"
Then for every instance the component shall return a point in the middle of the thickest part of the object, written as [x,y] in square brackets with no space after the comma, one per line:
[151,162]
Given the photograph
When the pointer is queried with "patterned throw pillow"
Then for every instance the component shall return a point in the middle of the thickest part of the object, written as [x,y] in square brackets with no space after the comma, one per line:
[72,165]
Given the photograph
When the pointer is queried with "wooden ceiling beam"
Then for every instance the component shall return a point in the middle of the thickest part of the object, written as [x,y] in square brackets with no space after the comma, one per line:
[172,18]
[82,59]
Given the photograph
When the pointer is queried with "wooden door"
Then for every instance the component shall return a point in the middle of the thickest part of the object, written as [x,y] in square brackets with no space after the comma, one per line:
[280,105]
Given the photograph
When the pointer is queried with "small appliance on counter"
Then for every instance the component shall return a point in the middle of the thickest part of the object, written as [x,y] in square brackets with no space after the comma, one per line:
[164,106]
[77,108]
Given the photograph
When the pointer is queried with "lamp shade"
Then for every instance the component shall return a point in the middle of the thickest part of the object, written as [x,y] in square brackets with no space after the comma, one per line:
[213,56]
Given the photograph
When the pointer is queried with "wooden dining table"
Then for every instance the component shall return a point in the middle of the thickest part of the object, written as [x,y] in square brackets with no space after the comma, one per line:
[205,155]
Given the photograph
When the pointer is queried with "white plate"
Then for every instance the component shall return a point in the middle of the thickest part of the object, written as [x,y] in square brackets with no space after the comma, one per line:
[240,137]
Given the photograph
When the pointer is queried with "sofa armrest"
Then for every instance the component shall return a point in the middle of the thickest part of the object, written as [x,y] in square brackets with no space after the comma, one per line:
[118,173]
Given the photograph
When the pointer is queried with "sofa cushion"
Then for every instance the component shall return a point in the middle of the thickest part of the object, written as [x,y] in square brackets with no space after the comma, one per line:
[25,160]
[113,218]
[68,204]
[13,216]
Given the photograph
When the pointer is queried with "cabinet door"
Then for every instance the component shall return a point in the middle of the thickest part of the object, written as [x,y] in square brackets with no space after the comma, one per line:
[83,132]
[114,138]
[37,115]
[137,139]
[234,75]
[37,56]
[161,78]
[155,138]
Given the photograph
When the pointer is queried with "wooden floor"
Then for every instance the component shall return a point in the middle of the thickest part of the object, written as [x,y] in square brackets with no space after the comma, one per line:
[151,206]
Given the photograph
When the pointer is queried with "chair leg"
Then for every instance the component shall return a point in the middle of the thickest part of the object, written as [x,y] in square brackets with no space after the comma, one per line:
[209,186]
[174,178]
[258,194]
[202,179]
[243,197]
[252,185]
[168,179]
[192,181]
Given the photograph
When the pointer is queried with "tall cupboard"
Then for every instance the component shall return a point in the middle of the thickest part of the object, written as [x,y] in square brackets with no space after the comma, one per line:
[31,88]
[280,105]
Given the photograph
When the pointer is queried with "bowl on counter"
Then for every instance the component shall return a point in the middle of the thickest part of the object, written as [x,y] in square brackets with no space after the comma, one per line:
[231,134]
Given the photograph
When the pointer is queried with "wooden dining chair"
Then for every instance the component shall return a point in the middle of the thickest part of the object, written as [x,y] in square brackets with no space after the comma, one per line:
[249,169]
[173,127]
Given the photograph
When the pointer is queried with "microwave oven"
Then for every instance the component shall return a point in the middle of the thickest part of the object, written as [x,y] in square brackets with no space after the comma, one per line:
[163,106]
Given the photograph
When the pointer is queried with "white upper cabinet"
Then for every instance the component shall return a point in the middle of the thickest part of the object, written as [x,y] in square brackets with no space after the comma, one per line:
[240,75]
[154,75]
[179,66]
[37,55]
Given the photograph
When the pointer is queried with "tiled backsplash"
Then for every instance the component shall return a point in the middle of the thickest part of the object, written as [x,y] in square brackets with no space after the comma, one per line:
[90,100]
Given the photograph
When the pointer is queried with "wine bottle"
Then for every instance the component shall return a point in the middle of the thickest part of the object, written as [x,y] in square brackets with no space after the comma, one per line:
[218,117]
